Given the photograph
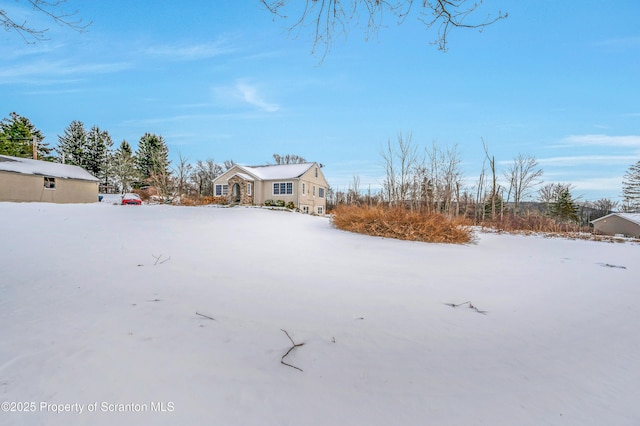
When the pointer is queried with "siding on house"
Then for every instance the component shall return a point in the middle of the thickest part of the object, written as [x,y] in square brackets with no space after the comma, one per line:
[618,223]
[26,180]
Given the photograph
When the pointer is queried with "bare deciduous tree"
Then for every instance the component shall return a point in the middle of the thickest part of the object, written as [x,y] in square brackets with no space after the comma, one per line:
[53,9]
[353,194]
[604,206]
[495,188]
[162,179]
[288,159]
[228,164]
[444,177]
[399,165]
[204,174]
[479,205]
[438,179]
[330,19]
[183,170]
[523,174]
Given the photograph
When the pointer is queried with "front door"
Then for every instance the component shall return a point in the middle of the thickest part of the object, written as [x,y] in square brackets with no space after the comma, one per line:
[235,192]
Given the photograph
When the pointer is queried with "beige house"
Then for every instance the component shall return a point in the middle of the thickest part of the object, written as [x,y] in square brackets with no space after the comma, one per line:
[627,224]
[304,185]
[23,179]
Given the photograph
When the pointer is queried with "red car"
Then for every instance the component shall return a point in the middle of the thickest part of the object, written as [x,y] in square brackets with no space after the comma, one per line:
[130,198]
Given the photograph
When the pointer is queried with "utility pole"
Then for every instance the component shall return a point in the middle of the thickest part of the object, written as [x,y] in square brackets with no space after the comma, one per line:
[34,139]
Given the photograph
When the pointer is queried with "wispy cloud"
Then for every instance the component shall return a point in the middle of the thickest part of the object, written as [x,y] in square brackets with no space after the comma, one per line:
[611,184]
[251,96]
[620,43]
[245,93]
[577,160]
[603,140]
[53,92]
[47,69]
[144,122]
[190,52]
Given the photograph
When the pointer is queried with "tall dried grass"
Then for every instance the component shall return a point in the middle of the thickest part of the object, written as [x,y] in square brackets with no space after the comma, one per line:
[401,224]
[535,223]
[202,201]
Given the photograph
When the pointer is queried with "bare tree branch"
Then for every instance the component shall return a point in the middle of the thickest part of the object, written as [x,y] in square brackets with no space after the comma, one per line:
[205,316]
[53,9]
[448,14]
[330,19]
[294,345]
[453,305]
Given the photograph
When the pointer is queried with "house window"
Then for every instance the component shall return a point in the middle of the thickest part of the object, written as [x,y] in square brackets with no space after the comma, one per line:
[321,192]
[305,209]
[314,190]
[222,190]
[248,189]
[316,172]
[283,188]
[50,183]
[304,188]
[320,210]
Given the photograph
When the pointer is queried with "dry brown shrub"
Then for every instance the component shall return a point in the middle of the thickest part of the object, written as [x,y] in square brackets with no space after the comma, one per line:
[401,224]
[534,223]
[188,200]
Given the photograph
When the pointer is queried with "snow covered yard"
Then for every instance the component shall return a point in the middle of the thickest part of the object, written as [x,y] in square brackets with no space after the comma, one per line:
[100,304]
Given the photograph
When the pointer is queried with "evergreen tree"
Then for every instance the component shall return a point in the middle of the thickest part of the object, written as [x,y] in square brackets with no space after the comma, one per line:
[493,206]
[152,156]
[17,135]
[87,149]
[72,146]
[631,188]
[123,167]
[99,143]
[564,208]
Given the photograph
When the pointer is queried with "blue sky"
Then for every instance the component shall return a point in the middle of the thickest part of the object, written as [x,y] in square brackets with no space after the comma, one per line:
[559,80]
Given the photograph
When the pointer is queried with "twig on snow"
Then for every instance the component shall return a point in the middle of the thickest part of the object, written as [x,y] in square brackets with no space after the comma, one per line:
[206,316]
[157,258]
[453,305]
[608,265]
[294,345]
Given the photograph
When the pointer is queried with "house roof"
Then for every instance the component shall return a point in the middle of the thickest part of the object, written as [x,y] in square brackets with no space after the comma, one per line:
[44,168]
[243,176]
[278,171]
[631,217]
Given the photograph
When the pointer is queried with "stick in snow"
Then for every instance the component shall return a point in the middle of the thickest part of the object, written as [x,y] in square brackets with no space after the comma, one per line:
[453,305]
[206,316]
[295,345]
[157,258]
[608,265]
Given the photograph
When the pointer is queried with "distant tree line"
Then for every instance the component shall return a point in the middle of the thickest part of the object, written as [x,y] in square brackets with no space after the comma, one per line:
[430,179]
[119,169]
[425,178]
